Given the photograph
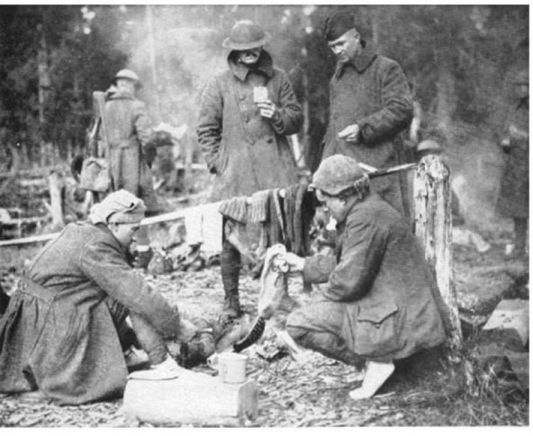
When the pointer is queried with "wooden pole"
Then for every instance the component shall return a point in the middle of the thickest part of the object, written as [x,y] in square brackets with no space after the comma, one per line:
[433,227]
[56,206]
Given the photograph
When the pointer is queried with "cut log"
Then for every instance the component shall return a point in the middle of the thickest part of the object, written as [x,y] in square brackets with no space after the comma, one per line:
[191,398]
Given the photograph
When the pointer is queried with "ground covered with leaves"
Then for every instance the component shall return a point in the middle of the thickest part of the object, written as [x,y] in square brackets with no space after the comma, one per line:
[424,390]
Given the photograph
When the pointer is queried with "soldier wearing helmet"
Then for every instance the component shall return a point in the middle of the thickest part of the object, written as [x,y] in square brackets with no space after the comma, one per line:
[129,138]
[245,115]
[379,304]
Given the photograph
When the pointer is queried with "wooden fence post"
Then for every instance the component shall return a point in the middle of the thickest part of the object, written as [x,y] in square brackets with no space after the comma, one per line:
[433,227]
[55,183]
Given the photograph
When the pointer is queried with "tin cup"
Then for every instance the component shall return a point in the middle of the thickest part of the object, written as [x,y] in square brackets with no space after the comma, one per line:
[231,366]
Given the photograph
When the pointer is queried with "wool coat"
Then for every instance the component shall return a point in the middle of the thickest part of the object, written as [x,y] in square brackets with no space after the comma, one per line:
[129,142]
[245,151]
[58,334]
[373,93]
[380,300]
[513,200]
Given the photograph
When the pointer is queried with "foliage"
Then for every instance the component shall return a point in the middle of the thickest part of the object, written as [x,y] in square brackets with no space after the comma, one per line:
[456,56]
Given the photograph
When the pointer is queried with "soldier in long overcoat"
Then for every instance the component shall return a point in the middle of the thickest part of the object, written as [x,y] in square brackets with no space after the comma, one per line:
[380,303]
[244,138]
[513,200]
[65,327]
[370,105]
[129,140]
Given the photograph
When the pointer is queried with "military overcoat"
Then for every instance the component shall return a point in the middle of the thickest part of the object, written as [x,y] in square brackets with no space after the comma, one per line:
[513,200]
[58,334]
[246,151]
[373,93]
[128,132]
[387,305]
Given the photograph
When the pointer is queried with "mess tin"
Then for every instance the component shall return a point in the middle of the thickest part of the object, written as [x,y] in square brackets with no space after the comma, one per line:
[231,366]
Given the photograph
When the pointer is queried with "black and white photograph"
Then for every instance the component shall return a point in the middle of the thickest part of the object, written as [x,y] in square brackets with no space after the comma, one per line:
[261,215]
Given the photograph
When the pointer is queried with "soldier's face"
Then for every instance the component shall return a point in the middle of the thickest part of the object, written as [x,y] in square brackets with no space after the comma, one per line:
[124,232]
[347,47]
[334,205]
[249,57]
[126,85]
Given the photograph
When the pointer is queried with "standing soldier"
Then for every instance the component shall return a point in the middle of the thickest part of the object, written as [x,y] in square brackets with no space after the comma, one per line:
[128,135]
[513,201]
[370,104]
[246,113]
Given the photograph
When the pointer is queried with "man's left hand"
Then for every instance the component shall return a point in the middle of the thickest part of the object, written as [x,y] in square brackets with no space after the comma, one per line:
[350,133]
[268,109]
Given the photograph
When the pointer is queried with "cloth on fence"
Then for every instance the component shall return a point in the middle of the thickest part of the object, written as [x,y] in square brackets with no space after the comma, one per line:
[203,224]
[258,207]
[264,219]
[235,208]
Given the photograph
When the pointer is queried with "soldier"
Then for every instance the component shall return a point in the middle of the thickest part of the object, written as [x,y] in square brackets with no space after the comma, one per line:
[370,104]
[513,200]
[246,113]
[379,304]
[66,322]
[129,138]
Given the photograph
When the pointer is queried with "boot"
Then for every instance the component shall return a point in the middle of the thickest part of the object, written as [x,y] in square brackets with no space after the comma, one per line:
[230,266]
[232,307]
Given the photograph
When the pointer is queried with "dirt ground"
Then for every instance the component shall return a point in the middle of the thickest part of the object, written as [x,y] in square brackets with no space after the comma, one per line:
[424,390]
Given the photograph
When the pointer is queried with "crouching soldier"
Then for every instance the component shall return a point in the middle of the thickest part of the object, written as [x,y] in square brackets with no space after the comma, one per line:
[379,304]
[65,328]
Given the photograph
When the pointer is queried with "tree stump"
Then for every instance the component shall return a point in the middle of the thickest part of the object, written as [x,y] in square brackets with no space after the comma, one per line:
[433,227]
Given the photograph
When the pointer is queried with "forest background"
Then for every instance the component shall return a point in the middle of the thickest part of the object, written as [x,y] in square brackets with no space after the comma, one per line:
[459,59]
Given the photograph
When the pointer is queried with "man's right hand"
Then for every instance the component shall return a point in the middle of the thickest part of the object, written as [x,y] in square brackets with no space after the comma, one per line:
[350,133]
[295,262]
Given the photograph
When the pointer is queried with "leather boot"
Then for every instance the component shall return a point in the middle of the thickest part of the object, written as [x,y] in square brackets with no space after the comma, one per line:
[230,266]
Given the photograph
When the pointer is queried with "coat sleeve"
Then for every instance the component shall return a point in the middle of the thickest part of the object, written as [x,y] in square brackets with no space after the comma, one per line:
[209,129]
[318,268]
[397,110]
[360,260]
[107,267]
[290,117]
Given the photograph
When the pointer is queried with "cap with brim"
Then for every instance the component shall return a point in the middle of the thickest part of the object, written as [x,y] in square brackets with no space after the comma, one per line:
[245,35]
[128,75]
[336,174]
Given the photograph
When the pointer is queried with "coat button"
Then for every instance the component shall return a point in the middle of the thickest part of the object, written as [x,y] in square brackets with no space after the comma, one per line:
[270,140]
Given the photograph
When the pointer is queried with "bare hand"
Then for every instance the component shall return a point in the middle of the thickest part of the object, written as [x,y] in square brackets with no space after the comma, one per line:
[350,133]
[296,263]
[267,109]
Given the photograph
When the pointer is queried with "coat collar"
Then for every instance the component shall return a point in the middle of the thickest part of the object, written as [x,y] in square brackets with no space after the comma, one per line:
[264,66]
[113,93]
[360,63]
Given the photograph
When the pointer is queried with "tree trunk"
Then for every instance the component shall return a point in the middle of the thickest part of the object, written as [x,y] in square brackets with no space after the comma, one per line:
[153,69]
[15,158]
[44,87]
